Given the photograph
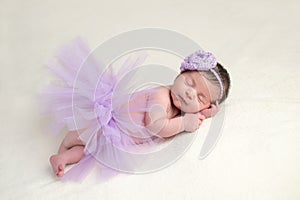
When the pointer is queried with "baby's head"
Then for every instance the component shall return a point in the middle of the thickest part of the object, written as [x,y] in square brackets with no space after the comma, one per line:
[202,82]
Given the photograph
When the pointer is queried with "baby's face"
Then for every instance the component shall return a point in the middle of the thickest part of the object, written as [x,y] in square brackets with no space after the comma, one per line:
[191,92]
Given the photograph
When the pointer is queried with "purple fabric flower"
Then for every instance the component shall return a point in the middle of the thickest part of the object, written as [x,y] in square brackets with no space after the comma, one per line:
[199,60]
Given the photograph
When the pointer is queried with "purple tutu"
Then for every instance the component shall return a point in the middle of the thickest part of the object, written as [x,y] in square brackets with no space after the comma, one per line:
[99,103]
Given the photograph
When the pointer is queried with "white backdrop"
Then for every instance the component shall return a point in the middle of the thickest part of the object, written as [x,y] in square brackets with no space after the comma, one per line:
[258,155]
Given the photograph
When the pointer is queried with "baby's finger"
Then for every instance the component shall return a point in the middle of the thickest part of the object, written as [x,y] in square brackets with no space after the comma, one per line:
[217,103]
[202,117]
[217,106]
[199,123]
[198,114]
[214,109]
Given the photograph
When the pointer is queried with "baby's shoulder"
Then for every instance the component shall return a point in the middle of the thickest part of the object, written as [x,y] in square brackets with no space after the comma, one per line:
[159,95]
[158,104]
[159,99]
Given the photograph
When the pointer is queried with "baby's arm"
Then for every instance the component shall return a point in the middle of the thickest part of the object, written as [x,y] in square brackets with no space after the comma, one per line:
[159,123]
[165,127]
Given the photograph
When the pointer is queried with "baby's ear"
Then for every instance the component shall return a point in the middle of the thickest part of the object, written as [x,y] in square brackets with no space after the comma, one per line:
[211,111]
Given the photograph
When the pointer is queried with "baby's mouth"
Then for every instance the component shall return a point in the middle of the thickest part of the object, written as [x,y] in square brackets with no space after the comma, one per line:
[182,99]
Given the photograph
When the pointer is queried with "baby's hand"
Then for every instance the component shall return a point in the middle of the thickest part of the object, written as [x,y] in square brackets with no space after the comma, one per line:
[192,121]
[212,111]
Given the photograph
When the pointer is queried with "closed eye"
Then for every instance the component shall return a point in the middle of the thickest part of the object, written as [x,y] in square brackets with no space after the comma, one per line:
[189,82]
[201,98]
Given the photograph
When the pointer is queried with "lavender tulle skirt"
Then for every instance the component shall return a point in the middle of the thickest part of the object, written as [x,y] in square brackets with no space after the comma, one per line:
[104,106]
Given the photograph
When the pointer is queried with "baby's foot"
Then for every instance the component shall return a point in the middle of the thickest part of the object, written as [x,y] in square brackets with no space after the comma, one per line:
[58,165]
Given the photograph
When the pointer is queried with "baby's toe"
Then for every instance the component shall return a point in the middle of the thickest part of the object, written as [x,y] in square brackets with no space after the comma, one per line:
[60,170]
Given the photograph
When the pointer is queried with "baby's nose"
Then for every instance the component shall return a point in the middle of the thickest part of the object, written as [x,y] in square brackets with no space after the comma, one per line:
[190,93]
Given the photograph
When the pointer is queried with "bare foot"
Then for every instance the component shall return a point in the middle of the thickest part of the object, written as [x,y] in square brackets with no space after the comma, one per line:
[58,165]
[70,140]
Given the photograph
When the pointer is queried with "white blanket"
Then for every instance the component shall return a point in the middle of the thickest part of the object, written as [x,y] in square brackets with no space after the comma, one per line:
[258,153]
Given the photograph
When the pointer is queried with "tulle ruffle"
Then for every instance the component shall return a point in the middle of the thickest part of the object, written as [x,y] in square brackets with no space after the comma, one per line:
[93,100]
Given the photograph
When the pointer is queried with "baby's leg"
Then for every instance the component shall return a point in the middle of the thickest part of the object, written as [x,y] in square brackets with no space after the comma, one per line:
[70,140]
[70,156]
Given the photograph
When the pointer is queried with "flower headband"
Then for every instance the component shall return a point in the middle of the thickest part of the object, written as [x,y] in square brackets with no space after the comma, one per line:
[203,61]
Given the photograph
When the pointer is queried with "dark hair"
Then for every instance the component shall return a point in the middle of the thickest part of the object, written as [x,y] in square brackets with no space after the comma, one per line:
[208,75]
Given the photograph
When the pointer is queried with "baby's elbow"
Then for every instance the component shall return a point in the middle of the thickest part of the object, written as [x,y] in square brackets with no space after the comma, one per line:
[157,127]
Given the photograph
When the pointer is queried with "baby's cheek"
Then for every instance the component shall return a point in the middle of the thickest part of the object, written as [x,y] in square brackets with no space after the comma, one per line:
[204,106]
[198,106]
[178,104]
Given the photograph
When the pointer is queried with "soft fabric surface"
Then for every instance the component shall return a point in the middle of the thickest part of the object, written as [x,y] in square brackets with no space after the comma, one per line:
[258,154]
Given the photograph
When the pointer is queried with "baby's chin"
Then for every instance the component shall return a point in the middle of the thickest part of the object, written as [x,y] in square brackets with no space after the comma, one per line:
[175,101]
